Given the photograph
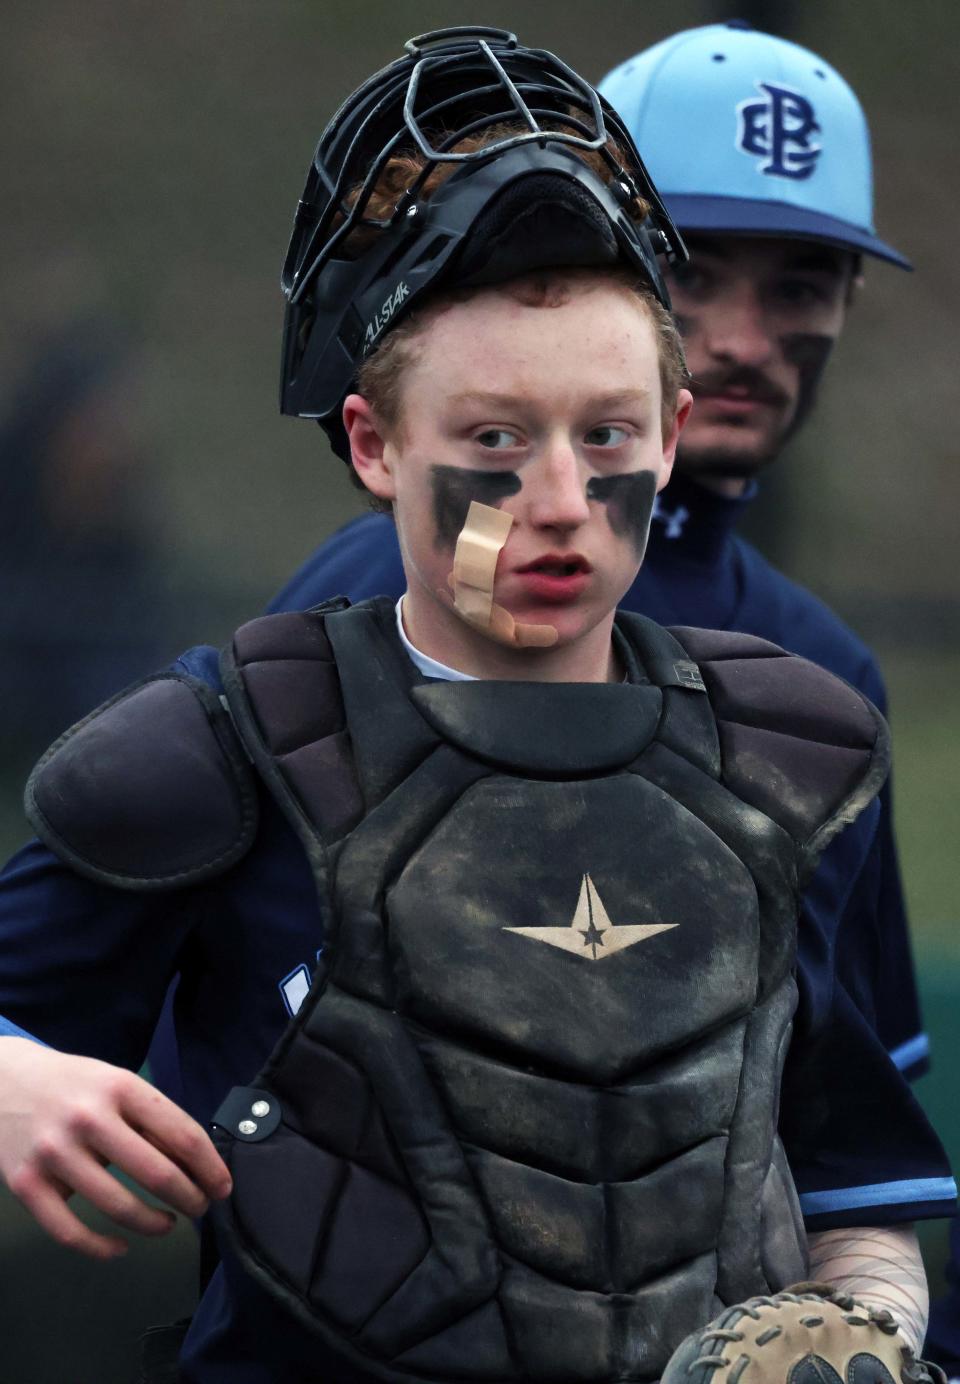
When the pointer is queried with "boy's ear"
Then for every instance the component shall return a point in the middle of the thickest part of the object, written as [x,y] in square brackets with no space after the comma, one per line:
[370,450]
[684,405]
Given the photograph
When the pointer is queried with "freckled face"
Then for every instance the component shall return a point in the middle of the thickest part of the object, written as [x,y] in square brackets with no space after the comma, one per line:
[758,318]
[552,414]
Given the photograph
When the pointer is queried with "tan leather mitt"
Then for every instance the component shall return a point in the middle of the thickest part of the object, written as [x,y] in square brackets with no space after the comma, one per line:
[809,1334]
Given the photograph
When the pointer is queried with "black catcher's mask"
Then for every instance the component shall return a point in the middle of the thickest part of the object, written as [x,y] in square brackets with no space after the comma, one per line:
[522,202]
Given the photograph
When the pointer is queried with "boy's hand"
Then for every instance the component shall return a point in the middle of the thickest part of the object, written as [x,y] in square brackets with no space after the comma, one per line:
[63,1118]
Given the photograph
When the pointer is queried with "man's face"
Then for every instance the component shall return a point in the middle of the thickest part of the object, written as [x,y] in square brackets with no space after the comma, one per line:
[551,413]
[758,318]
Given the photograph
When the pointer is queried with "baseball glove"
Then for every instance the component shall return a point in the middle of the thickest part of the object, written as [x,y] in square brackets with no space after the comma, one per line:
[809,1334]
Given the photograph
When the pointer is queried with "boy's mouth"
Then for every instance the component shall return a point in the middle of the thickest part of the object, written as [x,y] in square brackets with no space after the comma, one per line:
[558,565]
[555,578]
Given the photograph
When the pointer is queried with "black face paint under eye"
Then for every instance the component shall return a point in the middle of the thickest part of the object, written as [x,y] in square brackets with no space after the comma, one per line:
[629,499]
[808,352]
[453,489]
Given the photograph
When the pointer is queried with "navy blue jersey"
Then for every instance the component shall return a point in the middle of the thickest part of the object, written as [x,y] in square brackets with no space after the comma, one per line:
[698,571]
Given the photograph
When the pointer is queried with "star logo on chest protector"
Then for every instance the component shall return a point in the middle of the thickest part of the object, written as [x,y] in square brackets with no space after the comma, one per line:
[590,933]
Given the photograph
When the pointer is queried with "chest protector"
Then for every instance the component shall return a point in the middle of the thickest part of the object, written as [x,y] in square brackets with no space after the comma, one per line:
[523,1126]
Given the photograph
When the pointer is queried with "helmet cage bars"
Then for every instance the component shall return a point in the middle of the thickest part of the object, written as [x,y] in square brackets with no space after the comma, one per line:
[313,242]
[454,83]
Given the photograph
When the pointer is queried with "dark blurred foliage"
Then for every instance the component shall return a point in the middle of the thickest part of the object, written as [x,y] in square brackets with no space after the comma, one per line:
[83,609]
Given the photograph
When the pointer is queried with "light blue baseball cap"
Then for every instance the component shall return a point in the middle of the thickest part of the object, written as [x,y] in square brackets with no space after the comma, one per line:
[745,133]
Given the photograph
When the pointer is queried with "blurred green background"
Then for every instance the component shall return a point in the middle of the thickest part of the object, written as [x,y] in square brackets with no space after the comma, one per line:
[152,159]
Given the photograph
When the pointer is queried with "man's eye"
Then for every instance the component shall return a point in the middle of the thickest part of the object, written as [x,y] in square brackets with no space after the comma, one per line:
[690,278]
[606,436]
[799,292]
[496,439]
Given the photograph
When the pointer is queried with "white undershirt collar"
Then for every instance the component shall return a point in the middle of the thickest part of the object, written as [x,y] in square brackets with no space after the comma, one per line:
[428,666]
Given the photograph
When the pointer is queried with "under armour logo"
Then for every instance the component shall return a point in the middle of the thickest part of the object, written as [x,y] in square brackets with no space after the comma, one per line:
[779,129]
[672,520]
[590,933]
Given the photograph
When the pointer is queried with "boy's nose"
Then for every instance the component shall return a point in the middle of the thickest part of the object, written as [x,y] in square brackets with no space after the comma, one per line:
[558,496]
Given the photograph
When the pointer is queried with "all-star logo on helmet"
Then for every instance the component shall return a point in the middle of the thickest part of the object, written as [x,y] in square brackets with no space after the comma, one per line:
[515,164]
[382,318]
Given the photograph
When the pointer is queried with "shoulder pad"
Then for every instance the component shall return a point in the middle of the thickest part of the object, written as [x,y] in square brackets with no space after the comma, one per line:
[283,687]
[150,791]
[796,742]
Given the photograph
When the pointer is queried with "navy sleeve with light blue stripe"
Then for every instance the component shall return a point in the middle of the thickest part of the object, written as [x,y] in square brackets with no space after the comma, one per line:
[860,1147]
[12,1030]
[907,1192]
[912,1054]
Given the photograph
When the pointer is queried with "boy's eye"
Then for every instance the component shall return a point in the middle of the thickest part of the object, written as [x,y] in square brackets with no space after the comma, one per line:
[606,436]
[496,439]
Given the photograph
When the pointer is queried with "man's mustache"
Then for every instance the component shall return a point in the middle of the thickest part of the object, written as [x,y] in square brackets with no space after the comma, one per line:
[754,384]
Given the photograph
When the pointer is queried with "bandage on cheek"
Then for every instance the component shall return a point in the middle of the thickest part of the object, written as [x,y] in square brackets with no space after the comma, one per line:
[479,545]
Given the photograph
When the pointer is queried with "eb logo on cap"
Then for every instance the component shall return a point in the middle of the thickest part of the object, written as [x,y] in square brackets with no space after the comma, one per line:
[736,149]
[779,128]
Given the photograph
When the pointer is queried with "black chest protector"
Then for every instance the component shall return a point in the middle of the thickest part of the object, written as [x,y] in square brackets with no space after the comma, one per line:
[523,1127]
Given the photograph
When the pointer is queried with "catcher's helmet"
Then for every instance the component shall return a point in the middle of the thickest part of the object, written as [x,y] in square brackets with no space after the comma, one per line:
[524,200]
